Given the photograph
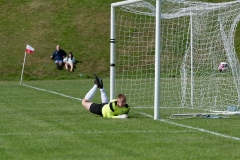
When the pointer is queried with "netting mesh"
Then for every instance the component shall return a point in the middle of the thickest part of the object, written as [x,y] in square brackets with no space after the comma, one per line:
[195,38]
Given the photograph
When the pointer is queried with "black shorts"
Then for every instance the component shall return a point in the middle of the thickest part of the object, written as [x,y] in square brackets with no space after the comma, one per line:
[97,108]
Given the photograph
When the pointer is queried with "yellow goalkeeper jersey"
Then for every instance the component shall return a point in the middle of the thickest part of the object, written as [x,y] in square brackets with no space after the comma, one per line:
[112,110]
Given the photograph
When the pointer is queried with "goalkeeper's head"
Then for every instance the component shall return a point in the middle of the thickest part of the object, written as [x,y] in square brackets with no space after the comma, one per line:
[121,100]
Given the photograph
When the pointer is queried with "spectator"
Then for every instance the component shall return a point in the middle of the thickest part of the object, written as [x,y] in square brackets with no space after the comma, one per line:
[70,61]
[58,56]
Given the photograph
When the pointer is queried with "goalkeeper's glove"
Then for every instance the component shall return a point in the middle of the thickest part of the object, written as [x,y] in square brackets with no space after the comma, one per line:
[123,116]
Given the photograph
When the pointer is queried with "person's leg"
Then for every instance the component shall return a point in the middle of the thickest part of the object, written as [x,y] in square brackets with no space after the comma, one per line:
[57,64]
[71,65]
[86,102]
[60,64]
[99,83]
[66,66]
[103,96]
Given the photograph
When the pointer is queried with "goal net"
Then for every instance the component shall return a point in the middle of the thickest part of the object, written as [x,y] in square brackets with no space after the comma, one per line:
[195,37]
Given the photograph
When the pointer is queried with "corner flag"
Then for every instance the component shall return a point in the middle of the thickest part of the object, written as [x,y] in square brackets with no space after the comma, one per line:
[29,49]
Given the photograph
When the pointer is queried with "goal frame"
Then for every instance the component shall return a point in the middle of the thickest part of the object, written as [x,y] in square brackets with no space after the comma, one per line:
[190,94]
[157,52]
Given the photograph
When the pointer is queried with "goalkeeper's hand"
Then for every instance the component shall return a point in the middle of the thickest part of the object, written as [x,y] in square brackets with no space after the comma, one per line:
[123,116]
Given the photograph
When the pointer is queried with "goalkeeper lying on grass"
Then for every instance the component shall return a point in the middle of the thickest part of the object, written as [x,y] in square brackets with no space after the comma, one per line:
[116,108]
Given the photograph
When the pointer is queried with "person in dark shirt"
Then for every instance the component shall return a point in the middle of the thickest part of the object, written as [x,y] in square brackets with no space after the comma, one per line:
[58,56]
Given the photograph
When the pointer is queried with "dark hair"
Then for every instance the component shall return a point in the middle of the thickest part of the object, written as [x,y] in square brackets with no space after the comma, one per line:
[121,96]
[71,54]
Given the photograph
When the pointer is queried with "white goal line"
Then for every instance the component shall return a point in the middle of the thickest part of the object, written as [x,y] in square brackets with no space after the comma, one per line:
[52,92]
[227,113]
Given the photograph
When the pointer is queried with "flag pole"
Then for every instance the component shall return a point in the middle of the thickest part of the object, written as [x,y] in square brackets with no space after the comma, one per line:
[23,68]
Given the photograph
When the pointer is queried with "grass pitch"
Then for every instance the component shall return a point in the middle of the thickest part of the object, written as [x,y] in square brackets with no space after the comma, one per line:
[42,123]
[47,120]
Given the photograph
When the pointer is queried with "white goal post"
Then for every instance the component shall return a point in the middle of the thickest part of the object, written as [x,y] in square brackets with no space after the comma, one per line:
[157,53]
[165,54]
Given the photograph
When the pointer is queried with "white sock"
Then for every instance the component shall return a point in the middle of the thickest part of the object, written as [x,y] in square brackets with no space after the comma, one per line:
[103,96]
[89,96]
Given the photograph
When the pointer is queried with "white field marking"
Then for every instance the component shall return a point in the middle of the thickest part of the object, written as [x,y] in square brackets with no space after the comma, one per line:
[194,128]
[40,102]
[93,132]
[150,116]
[75,97]
[153,107]
[53,92]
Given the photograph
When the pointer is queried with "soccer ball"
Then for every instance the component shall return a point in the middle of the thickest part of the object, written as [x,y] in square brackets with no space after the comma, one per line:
[223,67]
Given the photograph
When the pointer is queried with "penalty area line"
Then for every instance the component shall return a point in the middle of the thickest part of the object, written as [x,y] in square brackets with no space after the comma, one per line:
[90,132]
[194,128]
[52,92]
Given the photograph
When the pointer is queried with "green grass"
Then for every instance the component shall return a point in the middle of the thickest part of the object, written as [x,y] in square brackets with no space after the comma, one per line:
[39,124]
[36,123]
[82,27]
